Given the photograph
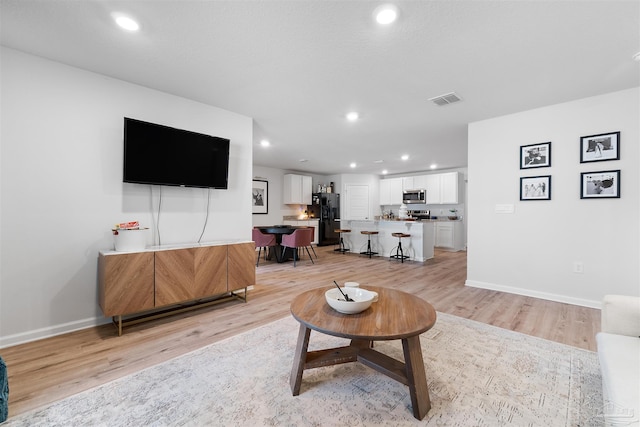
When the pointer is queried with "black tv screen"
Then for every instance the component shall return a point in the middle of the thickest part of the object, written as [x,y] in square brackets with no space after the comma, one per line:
[157,154]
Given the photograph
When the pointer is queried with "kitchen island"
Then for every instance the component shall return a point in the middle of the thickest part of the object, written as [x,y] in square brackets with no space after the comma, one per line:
[419,247]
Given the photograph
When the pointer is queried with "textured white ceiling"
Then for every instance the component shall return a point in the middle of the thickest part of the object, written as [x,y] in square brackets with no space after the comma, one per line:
[297,67]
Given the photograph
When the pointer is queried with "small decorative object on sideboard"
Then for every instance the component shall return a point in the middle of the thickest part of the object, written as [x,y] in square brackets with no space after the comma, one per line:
[129,236]
[454,214]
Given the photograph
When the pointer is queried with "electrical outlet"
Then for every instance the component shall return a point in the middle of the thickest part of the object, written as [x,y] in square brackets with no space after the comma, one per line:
[578,267]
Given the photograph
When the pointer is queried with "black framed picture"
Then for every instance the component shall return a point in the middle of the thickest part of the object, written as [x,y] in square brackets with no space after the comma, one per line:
[535,155]
[260,196]
[600,185]
[599,148]
[535,187]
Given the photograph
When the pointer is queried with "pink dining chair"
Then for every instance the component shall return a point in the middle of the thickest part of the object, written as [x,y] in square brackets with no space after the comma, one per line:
[263,241]
[300,238]
[313,236]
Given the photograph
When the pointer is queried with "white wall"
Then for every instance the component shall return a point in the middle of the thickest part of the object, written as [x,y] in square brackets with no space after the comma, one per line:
[275,209]
[533,250]
[62,190]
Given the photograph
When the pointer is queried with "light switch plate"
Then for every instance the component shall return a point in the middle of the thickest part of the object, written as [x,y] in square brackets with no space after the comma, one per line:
[505,208]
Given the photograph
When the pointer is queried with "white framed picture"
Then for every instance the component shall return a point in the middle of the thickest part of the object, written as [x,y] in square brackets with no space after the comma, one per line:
[600,185]
[599,148]
[535,187]
[260,196]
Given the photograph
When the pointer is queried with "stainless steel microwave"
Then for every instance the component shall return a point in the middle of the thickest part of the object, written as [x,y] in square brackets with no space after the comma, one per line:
[414,197]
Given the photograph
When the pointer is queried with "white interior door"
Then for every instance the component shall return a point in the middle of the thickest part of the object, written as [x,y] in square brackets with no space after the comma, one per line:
[356,202]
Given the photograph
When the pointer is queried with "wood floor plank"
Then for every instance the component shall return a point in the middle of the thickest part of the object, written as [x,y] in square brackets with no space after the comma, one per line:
[51,369]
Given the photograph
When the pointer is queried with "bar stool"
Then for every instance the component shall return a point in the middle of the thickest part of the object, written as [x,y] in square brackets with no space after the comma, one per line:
[368,251]
[342,248]
[399,254]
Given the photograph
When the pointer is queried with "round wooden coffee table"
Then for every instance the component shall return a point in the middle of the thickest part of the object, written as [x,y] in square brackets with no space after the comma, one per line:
[396,315]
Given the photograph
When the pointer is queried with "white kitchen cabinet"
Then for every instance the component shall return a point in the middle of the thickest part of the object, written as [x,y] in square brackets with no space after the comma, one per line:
[296,190]
[420,182]
[307,190]
[432,185]
[443,188]
[450,235]
[407,183]
[385,192]
[391,191]
[449,188]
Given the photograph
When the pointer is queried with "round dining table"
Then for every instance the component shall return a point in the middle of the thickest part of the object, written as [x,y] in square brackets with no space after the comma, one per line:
[278,231]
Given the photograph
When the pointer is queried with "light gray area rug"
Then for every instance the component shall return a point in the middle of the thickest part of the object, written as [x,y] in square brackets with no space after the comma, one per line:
[478,375]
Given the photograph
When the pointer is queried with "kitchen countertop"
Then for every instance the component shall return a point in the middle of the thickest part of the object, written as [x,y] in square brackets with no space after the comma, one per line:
[416,220]
[297,218]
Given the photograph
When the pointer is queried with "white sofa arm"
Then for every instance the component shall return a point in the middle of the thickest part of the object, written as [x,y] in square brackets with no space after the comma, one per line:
[621,315]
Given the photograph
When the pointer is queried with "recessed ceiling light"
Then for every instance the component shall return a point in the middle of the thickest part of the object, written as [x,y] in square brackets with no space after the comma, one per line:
[405,157]
[385,14]
[378,161]
[433,166]
[636,57]
[353,116]
[352,165]
[384,172]
[126,22]
[265,143]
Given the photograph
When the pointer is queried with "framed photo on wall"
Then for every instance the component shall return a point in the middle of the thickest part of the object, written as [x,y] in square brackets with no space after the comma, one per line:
[260,196]
[600,185]
[535,155]
[535,187]
[599,148]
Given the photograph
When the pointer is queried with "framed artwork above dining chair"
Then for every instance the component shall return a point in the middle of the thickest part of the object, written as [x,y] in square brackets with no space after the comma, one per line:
[260,196]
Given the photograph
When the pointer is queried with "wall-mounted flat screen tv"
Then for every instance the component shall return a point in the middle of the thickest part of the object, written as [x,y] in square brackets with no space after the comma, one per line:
[157,154]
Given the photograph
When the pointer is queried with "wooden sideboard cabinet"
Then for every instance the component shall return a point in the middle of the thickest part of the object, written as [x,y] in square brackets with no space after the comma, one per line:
[126,283]
[190,274]
[183,278]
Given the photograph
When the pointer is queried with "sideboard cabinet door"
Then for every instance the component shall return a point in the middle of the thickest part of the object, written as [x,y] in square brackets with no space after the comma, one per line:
[189,274]
[126,283]
[242,269]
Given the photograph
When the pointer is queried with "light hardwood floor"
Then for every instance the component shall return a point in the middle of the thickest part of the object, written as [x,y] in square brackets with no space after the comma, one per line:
[51,369]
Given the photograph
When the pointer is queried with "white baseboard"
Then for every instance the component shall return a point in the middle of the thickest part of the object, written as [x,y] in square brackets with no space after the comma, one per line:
[51,331]
[535,294]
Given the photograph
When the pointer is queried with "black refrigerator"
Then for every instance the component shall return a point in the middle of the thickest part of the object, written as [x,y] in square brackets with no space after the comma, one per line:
[326,207]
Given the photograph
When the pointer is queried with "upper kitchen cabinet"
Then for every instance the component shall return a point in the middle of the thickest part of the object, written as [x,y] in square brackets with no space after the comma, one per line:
[432,185]
[407,183]
[391,191]
[443,188]
[418,182]
[450,188]
[297,190]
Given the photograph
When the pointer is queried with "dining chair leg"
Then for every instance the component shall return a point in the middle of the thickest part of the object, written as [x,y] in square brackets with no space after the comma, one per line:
[309,253]
[314,252]
[295,254]
[258,260]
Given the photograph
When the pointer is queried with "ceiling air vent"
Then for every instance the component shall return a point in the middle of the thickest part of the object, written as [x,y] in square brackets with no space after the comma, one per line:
[446,99]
